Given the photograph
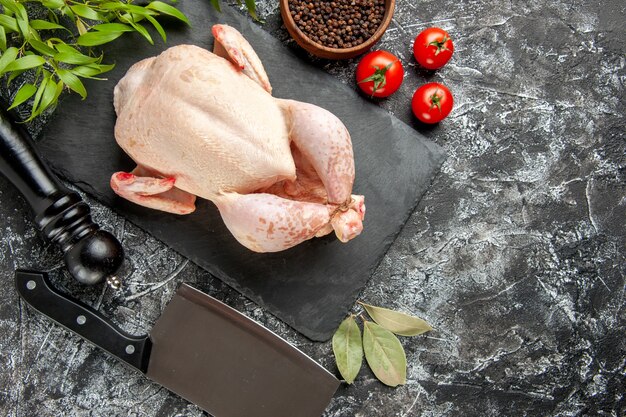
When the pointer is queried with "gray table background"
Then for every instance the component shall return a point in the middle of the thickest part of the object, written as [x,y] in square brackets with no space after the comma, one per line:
[516,255]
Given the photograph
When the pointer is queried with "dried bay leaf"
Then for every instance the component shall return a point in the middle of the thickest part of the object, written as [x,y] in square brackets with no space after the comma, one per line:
[397,322]
[384,354]
[348,349]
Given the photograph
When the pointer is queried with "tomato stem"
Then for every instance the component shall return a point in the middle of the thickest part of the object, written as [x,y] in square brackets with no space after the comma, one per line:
[435,100]
[378,77]
[440,45]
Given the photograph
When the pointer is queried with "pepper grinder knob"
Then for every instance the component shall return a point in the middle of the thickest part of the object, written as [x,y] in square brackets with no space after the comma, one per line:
[94,258]
[91,254]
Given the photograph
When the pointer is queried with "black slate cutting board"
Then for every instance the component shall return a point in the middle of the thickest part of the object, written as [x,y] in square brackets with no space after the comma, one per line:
[313,286]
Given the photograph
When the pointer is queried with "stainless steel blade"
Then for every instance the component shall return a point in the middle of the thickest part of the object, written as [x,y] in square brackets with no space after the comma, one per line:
[231,366]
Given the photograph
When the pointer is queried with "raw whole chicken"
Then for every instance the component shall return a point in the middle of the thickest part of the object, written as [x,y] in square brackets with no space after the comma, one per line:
[205,124]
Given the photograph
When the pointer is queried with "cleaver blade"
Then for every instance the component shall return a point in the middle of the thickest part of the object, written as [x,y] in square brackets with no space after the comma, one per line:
[202,350]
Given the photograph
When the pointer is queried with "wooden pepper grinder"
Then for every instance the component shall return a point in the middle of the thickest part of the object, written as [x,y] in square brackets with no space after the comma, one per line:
[91,254]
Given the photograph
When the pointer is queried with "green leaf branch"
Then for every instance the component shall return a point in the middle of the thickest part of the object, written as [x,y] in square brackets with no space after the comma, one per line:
[382,349]
[60,49]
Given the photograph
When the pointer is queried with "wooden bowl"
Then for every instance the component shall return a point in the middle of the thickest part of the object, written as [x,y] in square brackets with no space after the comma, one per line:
[334,53]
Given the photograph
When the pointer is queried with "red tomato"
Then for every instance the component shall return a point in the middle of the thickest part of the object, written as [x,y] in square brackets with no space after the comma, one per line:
[433,48]
[379,74]
[432,102]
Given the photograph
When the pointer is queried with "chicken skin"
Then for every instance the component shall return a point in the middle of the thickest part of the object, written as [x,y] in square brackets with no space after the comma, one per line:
[204,124]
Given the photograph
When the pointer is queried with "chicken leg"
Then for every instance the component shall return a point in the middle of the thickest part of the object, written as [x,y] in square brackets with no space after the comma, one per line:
[274,219]
[268,223]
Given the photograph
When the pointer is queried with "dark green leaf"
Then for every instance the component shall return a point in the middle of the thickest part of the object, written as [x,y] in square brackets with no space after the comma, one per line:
[41,47]
[63,47]
[54,41]
[39,94]
[33,34]
[85,11]
[9,23]
[45,95]
[112,28]
[65,9]
[250,4]
[45,25]
[130,18]
[91,77]
[53,4]
[21,16]
[60,85]
[106,67]
[24,93]
[384,354]
[23,27]
[140,11]
[127,8]
[158,27]
[9,5]
[20,11]
[47,98]
[113,5]
[90,71]
[397,322]
[348,349]
[74,58]
[24,63]
[143,31]
[97,38]
[73,82]
[3,39]
[168,10]
[7,57]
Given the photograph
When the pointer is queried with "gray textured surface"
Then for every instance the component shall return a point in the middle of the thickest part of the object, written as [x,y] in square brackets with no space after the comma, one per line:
[515,255]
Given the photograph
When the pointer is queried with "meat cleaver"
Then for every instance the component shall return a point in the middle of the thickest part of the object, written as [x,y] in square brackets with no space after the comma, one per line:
[202,350]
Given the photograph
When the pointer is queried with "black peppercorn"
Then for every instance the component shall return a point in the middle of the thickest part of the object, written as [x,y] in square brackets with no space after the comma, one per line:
[338,23]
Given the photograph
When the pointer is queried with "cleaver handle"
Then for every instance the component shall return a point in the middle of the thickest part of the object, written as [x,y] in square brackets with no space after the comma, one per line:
[35,288]
[91,254]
